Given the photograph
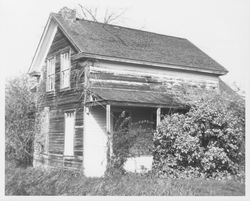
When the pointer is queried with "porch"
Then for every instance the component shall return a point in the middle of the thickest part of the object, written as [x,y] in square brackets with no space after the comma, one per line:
[101,116]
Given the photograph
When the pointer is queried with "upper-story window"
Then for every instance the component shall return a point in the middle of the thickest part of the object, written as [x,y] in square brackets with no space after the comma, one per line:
[51,65]
[65,70]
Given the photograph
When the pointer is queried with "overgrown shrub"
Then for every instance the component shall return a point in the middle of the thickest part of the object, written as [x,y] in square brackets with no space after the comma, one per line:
[19,120]
[130,139]
[207,141]
[37,181]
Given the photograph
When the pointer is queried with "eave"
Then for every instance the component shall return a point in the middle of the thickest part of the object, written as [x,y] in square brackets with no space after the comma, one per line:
[133,104]
[147,63]
[127,97]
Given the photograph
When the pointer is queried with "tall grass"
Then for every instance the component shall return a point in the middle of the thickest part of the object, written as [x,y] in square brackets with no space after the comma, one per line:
[31,181]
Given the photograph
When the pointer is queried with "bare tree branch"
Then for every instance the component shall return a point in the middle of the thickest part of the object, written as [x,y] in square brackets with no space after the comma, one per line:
[91,14]
[113,16]
[83,12]
[88,11]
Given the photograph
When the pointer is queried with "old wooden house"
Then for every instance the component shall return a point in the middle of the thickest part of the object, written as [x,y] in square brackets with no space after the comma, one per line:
[90,72]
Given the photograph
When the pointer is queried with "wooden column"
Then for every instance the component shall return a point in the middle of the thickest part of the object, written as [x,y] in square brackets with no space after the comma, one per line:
[108,129]
[158,116]
[84,137]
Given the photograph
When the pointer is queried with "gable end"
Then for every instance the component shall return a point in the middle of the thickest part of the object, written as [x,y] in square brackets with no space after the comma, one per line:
[59,43]
[52,40]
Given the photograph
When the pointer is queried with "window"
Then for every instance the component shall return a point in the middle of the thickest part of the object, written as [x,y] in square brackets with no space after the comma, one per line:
[65,70]
[69,133]
[51,64]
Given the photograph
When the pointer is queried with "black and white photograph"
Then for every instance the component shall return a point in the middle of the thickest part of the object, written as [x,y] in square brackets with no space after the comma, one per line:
[124,98]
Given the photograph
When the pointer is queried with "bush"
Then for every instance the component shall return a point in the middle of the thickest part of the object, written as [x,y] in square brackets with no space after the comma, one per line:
[129,140]
[19,120]
[207,141]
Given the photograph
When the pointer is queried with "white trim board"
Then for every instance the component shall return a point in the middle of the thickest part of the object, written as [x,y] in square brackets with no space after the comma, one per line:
[44,45]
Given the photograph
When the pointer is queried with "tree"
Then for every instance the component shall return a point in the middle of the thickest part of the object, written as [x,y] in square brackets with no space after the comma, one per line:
[19,120]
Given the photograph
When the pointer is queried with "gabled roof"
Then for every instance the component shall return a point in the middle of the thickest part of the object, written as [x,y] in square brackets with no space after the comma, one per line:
[110,42]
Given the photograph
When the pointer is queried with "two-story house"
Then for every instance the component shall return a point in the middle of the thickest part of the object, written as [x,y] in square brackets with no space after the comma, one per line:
[91,72]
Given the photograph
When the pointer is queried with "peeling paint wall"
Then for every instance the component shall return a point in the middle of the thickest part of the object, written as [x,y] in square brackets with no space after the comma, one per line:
[105,74]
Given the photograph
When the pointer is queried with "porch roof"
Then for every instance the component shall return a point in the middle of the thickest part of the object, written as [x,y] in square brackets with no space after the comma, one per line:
[127,97]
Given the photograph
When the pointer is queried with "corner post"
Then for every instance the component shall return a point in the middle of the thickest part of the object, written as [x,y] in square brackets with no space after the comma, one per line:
[158,116]
[85,109]
[108,129]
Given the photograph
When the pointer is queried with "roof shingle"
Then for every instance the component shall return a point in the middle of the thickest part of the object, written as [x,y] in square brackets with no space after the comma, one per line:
[116,41]
[136,97]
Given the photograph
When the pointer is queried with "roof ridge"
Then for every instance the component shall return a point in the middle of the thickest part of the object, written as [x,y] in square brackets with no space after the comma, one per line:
[123,27]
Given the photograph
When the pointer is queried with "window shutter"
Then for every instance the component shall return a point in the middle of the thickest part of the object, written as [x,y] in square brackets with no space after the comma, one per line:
[51,65]
[53,69]
[69,133]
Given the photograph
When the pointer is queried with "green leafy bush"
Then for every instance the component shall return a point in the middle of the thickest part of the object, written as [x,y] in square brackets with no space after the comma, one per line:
[207,141]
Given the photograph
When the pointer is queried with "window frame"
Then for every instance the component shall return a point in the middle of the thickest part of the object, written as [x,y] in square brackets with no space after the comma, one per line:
[62,71]
[50,73]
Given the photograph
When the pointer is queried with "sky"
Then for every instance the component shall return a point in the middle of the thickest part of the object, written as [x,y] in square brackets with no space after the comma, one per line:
[221,28]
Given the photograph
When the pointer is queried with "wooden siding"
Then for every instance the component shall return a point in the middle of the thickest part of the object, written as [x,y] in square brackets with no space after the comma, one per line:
[73,94]
[116,75]
[55,160]
[60,42]
[60,101]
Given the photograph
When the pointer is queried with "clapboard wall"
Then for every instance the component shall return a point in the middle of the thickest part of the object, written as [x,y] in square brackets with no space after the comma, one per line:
[139,77]
[60,101]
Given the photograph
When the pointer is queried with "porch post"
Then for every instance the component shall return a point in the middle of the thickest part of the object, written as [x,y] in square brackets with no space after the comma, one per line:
[108,129]
[158,116]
